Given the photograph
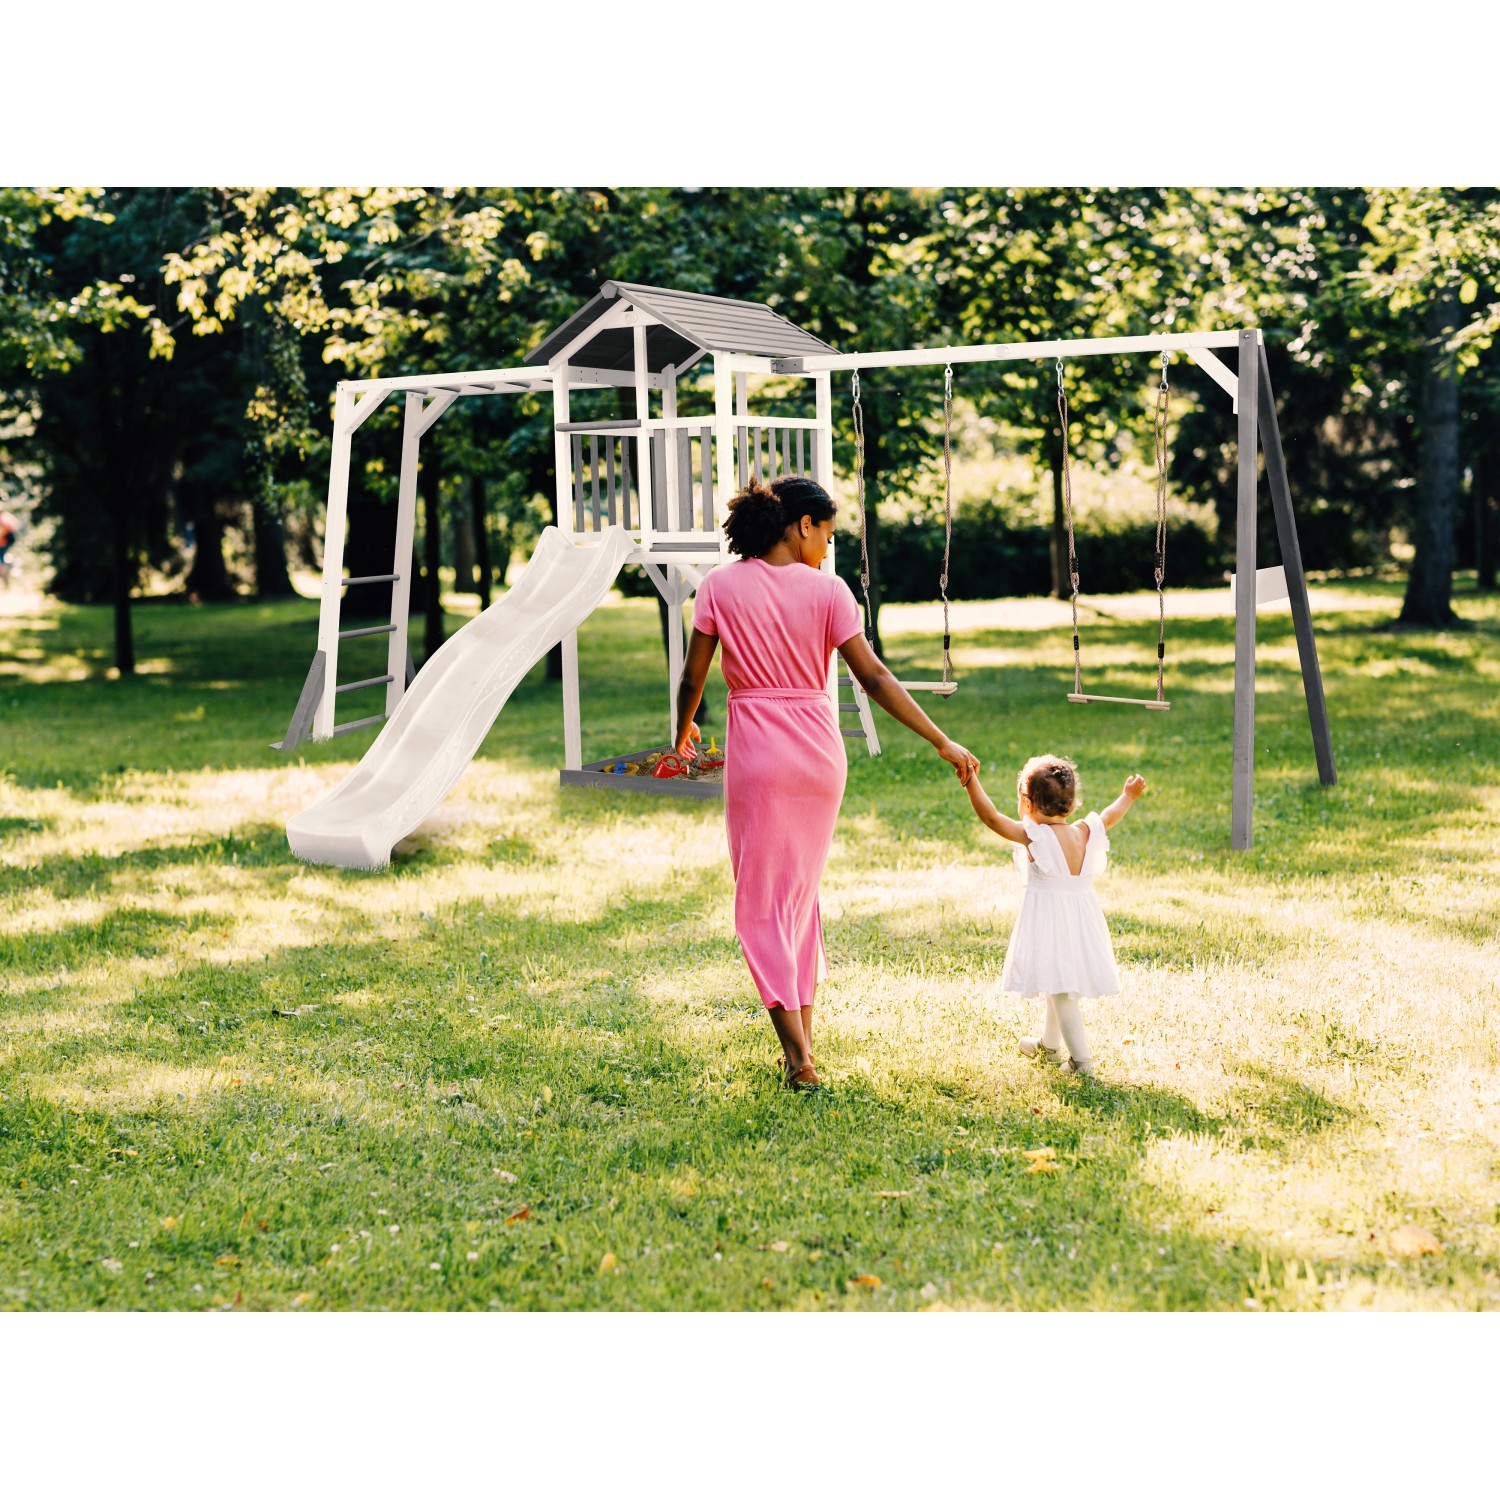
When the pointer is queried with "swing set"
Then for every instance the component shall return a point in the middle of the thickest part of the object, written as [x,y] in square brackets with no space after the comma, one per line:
[1253,402]
[648,490]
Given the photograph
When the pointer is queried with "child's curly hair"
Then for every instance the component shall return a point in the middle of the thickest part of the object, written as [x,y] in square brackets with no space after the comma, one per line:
[1050,783]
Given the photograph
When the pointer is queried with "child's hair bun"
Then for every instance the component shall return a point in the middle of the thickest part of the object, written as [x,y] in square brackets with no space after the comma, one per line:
[1050,784]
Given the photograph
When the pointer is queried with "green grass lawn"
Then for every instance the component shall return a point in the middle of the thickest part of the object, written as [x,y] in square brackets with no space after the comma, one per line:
[525,1067]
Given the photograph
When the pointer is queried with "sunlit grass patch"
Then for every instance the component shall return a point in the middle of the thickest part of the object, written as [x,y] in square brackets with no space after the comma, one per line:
[528,1055]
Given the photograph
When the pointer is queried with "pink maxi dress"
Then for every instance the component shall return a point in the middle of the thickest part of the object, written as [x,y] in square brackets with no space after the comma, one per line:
[784,763]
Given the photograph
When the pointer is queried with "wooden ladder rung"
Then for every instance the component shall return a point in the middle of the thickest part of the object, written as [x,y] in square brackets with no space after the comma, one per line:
[848,708]
[348,635]
[1128,702]
[364,682]
[372,578]
[354,724]
[854,734]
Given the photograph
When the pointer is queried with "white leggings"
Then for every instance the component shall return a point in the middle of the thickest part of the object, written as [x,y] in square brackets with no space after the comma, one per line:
[1064,1023]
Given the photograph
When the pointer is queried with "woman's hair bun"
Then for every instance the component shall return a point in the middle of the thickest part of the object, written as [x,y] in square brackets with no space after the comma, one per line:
[760,514]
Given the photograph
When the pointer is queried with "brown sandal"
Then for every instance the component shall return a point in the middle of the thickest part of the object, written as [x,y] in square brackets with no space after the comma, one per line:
[806,1077]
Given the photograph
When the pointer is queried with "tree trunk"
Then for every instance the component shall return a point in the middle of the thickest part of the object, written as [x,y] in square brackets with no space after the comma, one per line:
[430,481]
[1062,585]
[1429,585]
[123,568]
[463,537]
[272,581]
[1486,520]
[369,545]
[208,577]
[479,526]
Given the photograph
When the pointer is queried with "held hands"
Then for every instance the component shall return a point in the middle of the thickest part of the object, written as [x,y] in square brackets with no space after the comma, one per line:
[1134,786]
[687,737]
[964,764]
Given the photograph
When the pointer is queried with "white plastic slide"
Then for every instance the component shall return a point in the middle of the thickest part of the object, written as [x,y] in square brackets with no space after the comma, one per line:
[447,711]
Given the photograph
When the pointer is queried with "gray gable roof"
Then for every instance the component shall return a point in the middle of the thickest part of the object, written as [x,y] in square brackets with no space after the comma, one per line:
[689,323]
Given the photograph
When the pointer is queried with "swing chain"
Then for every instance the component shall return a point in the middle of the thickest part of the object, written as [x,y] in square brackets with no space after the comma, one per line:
[1163,394]
[1067,490]
[859,493]
[947,516]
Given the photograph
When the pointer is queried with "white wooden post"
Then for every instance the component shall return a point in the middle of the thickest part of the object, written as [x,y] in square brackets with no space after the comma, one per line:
[669,415]
[822,437]
[401,561]
[723,444]
[676,597]
[334,529]
[562,449]
[572,710]
[643,437]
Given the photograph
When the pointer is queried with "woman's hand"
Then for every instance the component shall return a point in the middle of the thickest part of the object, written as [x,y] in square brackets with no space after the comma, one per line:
[964,764]
[687,737]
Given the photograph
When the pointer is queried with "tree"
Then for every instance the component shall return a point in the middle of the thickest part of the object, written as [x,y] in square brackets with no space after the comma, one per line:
[1435,252]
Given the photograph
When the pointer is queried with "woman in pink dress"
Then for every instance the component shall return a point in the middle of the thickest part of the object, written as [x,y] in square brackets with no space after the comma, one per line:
[780,619]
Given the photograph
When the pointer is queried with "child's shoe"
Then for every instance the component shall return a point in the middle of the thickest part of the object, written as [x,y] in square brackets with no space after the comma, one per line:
[1032,1047]
[1083,1070]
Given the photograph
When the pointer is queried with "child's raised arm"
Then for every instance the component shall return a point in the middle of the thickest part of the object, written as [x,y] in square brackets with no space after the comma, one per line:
[992,817]
[1134,786]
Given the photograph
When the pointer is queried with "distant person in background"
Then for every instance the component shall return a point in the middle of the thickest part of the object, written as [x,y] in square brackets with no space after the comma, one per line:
[9,526]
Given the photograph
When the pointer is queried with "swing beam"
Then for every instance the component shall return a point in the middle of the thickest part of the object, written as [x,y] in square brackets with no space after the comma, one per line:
[1249,388]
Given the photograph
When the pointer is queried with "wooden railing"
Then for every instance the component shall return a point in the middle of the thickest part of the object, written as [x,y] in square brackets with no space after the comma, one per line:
[774,448]
[606,470]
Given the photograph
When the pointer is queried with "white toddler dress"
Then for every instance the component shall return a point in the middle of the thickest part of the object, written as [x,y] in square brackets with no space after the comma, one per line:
[1061,943]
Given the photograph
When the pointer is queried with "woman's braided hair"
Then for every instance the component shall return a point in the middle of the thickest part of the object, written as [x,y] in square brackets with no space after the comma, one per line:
[760,514]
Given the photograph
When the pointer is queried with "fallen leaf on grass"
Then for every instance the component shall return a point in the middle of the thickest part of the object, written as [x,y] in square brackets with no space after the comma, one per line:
[1041,1153]
[779,1246]
[1412,1239]
[301,1299]
[867,1282]
[171,1221]
[893,1193]
[1042,1166]
[607,1262]
[522,1213]
[227,1260]
[546,1094]
[111,1264]
[505,1176]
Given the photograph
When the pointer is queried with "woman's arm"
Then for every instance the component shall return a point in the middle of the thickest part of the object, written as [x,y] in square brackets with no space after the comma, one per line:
[992,817]
[880,684]
[700,657]
[1134,786]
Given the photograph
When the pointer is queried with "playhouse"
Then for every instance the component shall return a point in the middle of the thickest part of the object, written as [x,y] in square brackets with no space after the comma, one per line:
[650,490]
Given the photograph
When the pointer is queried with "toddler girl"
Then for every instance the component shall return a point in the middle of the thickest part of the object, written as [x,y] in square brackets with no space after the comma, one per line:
[1060,949]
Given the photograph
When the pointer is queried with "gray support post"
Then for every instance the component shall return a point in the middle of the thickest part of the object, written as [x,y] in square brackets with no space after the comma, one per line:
[1296,580]
[307,705]
[1242,817]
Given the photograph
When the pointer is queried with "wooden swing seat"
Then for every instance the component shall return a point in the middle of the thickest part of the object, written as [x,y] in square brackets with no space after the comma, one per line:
[1129,702]
[942,689]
